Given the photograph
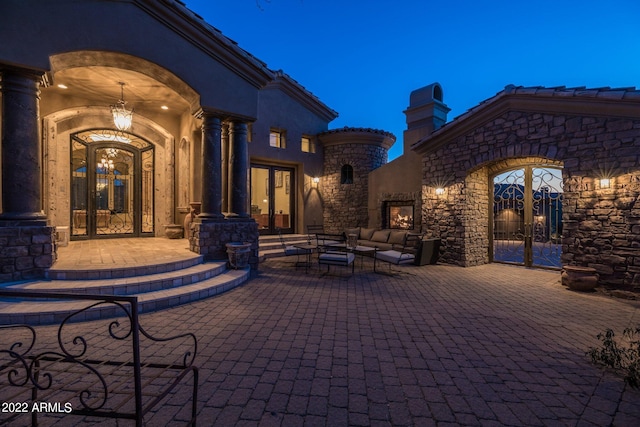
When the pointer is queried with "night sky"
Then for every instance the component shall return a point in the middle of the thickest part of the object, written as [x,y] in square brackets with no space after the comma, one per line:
[364,57]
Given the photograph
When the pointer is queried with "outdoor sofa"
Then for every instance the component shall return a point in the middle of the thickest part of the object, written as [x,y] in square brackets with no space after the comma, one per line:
[426,251]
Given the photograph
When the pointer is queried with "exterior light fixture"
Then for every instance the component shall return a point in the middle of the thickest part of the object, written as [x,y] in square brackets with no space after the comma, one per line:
[605,183]
[316,180]
[63,86]
[122,117]
[439,191]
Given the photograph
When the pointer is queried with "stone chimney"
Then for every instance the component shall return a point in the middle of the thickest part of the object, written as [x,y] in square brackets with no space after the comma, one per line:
[425,114]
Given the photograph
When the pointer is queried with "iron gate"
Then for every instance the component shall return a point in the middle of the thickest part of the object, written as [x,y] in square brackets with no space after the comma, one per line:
[527,216]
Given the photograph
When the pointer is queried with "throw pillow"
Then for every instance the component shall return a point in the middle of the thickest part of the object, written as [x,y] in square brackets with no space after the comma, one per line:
[366,233]
[397,237]
[380,236]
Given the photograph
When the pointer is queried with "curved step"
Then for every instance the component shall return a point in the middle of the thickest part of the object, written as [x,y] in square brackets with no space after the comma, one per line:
[129,285]
[114,272]
[47,312]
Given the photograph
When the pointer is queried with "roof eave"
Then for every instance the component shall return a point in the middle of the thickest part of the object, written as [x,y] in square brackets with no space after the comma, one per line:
[296,91]
[194,28]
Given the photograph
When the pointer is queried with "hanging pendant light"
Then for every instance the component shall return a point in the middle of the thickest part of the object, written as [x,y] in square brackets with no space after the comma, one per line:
[122,117]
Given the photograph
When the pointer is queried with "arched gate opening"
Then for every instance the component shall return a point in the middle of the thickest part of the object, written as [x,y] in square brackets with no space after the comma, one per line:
[526,216]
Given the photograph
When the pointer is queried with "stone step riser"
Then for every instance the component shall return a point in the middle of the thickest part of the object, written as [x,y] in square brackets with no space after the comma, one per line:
[141,285]
[118,273]
[45,313]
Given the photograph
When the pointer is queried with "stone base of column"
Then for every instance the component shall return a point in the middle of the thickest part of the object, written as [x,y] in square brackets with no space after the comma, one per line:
[27,251]
[210,239]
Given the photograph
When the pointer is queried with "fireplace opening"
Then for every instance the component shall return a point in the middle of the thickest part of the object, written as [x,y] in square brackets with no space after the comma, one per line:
[399,215]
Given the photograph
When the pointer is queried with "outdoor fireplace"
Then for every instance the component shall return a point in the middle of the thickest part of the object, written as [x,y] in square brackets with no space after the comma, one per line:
[398,215]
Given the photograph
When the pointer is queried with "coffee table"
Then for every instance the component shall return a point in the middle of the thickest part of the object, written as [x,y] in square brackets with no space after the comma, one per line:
[362,251]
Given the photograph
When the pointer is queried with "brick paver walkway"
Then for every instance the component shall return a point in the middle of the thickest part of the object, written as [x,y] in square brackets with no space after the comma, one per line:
[436,345]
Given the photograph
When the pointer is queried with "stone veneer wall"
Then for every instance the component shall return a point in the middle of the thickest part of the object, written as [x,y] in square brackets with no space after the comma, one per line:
[26,252]
[346,205]
[601,228]
[209,239]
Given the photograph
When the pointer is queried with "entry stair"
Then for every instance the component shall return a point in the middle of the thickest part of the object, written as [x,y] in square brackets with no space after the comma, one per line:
[157,287]
[271,247]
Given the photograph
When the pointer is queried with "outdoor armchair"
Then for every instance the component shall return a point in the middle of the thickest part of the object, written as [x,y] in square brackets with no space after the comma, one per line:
[332,250]
[400,254]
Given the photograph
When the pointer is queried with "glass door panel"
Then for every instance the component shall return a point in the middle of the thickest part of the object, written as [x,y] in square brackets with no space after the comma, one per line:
[272,202]
[509,217]
[114,192]
[260,190]
[547,196]
[282,200]
[147,191]
[112,185]
[79,189]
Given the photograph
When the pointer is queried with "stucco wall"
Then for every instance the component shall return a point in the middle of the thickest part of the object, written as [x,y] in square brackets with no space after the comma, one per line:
[182,44]
[278,110]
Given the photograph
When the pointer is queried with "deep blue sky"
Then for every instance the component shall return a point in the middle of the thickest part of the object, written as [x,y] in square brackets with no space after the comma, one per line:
[364,57]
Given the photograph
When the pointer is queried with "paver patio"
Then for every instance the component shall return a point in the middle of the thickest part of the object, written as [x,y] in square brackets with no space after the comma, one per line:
[434,345]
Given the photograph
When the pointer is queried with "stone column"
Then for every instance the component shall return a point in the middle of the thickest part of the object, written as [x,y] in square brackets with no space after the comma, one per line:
[225,168]
[211,209]
[239,171]
[21,160]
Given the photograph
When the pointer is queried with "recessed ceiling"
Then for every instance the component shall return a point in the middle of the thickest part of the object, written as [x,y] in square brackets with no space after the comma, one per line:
[101,85]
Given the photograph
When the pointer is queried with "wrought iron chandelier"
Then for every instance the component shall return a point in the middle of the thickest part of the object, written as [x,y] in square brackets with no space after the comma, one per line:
[122,117]
[106,164]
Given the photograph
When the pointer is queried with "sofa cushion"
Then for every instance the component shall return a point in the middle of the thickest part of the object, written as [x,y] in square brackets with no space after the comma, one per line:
[395,257]
[380,236]
[397,237]
[336,258]
[366,233]
[355,231]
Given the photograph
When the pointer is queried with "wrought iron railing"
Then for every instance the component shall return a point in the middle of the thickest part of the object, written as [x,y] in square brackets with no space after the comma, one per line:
[79,368]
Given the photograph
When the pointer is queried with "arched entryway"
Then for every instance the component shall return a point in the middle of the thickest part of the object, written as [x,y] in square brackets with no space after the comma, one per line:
[112,181]
[526,215]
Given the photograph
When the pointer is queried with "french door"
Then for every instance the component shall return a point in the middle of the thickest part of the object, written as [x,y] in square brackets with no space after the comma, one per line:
[111,185]
[272,198]
[527,217]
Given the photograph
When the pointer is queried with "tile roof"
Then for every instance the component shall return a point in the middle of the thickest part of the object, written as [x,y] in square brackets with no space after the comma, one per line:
[630,93]
[347,129]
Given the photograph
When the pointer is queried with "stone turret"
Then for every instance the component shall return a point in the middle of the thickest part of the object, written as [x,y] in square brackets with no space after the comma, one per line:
[350,154]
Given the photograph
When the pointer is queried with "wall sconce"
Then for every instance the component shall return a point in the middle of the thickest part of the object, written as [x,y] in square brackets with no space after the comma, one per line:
[439,191]
[605,183]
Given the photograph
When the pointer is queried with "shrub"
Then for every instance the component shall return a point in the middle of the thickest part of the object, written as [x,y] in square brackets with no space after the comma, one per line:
[622,356]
